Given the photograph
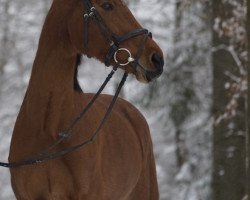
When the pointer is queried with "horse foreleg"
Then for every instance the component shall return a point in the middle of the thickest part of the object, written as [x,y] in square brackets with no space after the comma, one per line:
[147,186]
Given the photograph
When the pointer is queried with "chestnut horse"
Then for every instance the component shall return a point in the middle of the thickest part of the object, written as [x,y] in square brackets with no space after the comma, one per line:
[119,164]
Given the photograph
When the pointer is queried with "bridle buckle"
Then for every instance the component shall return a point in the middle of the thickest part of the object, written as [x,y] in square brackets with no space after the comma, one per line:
[91,13]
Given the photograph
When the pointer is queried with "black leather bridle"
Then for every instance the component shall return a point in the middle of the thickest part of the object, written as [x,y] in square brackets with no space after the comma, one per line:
[114,42]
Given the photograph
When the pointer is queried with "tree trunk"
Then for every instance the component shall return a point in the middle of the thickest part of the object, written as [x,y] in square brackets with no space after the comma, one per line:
[5,36]
[179,110]
[248,106]
[229,177]
[190,104]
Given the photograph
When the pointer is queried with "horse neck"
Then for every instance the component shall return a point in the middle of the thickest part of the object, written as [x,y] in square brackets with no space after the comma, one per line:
[54,65]
[51,86]
[53,71]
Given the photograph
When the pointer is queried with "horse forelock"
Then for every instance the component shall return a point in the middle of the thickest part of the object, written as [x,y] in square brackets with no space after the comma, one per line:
[78,62]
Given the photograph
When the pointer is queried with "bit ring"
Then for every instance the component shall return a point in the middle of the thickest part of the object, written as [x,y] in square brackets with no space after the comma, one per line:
[130,58]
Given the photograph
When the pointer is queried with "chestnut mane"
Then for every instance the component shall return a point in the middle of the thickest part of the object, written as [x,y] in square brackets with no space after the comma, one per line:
[77,86]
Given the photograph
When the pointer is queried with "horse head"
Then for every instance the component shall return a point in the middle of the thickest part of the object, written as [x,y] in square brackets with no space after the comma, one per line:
[108,31]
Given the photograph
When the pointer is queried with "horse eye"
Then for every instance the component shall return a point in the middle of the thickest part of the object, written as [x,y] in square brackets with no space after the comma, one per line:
[107,6]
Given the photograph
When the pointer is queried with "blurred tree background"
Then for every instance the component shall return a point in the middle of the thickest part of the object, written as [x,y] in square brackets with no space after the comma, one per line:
[197,111]
[229,99]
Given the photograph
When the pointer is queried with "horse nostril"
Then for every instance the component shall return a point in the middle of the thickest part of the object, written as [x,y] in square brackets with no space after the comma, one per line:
[158,62]
[150,35]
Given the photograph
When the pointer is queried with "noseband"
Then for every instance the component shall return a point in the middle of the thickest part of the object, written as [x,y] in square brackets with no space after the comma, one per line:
[113,40]
[114,49]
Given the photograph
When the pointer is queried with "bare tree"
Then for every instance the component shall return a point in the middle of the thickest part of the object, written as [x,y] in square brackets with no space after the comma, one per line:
[248,106]
[229,155]
[5,34]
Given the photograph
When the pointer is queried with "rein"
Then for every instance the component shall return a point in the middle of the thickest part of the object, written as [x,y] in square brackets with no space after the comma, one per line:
[114,42]
[45,156]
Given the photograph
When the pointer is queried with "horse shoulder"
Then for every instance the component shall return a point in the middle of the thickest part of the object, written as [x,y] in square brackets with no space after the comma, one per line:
[134,118]
[147,182]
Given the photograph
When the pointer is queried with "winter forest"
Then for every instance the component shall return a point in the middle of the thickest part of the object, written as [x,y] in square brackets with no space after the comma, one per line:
[198,111]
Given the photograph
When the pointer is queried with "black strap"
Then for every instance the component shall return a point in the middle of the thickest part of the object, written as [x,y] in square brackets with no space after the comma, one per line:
[131,34]
[91,13]
[111,54]
[68,132]
[86,33]
[136,62]
[43,156]
[80,145]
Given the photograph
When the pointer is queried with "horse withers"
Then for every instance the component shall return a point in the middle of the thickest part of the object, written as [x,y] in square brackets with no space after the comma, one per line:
[119,164]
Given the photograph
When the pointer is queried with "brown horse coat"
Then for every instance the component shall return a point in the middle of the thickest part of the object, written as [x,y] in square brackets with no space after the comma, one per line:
[119,165]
